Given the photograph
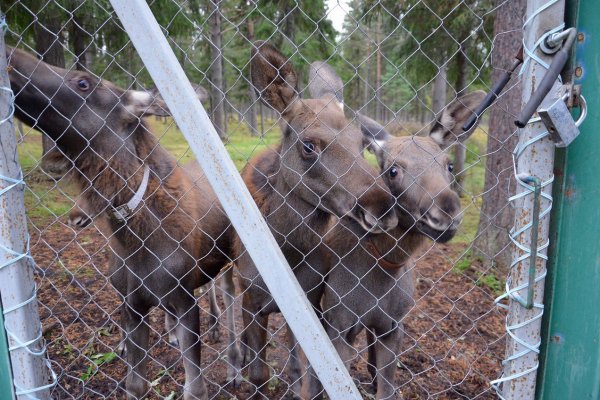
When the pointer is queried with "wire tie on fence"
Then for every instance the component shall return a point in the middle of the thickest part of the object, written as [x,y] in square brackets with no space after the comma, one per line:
[11,104]
[27,392]
[530,54]
[3,24]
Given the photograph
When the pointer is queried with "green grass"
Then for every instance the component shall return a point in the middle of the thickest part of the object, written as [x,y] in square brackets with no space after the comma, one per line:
[240,145]
[463,264]
[470,265]
[492,282]
[98,360]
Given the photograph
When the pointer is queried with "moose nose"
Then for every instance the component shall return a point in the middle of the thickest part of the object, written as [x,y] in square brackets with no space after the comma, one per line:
[437,218]
[376,224]
[442,213]
[375,210]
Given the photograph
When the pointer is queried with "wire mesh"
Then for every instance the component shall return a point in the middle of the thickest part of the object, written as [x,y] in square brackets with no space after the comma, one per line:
[412,317]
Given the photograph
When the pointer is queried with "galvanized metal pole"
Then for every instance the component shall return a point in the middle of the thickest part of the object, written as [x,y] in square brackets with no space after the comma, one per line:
[157,55]
[535,160]
[17,287]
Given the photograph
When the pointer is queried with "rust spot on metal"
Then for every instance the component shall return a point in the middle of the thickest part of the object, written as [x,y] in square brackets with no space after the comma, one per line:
[580,37]
[578,72]
[558,172]
[557,339]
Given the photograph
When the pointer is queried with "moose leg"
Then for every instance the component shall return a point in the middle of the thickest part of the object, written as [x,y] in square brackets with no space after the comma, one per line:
[188,326]
[294,366]
[234,355]
[372,356]
[215,312]
[136,342]
[170,328]
[255,343]
[342,341]
[387,349]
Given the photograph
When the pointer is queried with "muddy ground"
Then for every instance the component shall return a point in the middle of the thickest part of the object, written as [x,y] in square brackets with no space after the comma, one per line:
[453,347]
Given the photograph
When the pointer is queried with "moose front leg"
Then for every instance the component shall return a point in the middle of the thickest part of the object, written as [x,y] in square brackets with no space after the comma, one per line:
[215,312]
[387,349]
[188,335]
[234,355]
[170,325]
[255,345]
[136,332]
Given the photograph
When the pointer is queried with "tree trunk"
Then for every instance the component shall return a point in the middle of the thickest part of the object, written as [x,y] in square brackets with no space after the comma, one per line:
[49,47]
[81,41]
[496,215]
[460,151]
[461,71]
[366,102]
[439,91]
[251,112]
[216,71]
[262,119]
[226,104]
[378,104]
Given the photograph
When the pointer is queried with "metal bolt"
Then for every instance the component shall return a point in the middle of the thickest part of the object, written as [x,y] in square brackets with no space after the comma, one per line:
[578,72]
[580,37]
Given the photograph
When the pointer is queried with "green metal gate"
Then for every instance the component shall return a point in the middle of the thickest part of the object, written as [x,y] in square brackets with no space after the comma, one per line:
[570,359]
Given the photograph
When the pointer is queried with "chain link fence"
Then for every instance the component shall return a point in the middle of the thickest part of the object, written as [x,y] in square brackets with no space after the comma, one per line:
[393,219]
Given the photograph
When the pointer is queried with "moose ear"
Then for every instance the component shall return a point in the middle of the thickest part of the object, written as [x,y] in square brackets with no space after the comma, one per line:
[448,129]
[160,108]
[323,82]
[273,77]
[201,92]
[375,136]
[141,103]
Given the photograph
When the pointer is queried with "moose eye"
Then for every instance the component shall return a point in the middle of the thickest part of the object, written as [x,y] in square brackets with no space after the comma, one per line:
[308,147]
[393,171]
[83,85]
[450,167]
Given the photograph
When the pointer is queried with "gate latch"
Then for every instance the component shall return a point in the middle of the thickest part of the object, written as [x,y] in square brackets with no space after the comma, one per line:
[563,129]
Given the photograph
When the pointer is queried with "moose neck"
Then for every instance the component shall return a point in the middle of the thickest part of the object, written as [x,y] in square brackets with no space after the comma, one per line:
[114,178]
[297,225]
[291,218]
[350,241]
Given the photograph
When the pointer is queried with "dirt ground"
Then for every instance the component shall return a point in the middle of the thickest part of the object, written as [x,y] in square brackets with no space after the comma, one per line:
[453,347]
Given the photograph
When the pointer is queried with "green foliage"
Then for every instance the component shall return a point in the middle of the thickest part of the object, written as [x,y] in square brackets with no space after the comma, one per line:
[415,38]
[273,383]
[471,266]
[463,264]
[98,360]
[491,282]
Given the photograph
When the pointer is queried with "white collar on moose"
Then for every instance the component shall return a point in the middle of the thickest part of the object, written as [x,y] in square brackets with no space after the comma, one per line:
[123,212]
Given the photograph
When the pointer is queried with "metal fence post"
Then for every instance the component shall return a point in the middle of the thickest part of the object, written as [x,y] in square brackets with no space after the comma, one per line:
[167,73]
[17,287]
[534,159]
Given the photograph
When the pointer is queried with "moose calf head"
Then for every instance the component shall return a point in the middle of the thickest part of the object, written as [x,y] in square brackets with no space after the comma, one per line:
[75,108]
[320,151]
[418,171]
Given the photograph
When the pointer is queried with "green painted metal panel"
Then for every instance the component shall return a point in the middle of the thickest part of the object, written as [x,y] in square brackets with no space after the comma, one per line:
[570,358]
[6,380]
